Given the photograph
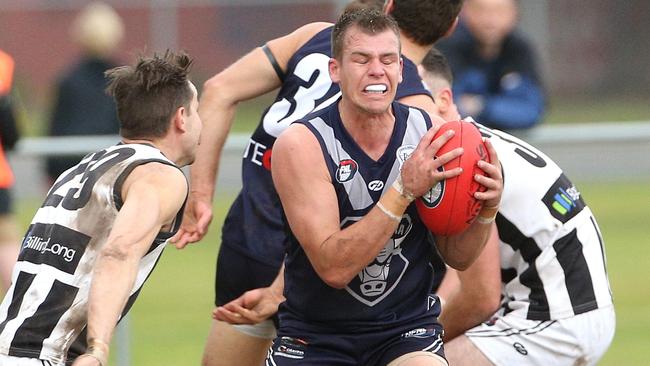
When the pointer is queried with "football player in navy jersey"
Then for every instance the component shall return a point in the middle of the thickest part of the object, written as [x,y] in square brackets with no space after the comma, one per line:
[104,223]
[556,306]
[358,279]
[253,235]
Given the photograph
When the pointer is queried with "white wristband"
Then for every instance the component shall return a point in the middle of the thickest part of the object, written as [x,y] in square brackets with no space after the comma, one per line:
[483,220]
[399,187]
[388,213]
[489,218]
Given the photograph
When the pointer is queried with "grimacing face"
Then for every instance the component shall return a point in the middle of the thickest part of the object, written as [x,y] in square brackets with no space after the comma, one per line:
[369,70]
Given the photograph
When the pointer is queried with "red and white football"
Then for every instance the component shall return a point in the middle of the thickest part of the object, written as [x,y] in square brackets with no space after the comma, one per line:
[450,207]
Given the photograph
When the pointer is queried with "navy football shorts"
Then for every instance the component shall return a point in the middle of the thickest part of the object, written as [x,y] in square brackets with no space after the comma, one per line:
[238,273]
[377,348]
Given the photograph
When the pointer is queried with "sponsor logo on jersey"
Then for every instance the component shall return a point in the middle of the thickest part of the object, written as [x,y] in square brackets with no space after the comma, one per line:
[45,246]
[376,185]
[403,153]
[382,275]
[54,245]
[563,199]
[258,154]
[346,170]
[434,196]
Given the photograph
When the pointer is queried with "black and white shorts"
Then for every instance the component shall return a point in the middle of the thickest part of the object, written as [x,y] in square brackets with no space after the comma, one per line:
[579,340]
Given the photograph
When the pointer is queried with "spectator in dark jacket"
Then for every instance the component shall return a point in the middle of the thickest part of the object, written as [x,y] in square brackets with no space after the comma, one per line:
[82,107]
[496,76]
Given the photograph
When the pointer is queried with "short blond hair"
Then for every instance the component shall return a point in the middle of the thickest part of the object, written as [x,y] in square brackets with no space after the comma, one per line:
[98,29]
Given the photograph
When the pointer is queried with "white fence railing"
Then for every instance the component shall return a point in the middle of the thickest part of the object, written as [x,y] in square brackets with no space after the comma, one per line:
[590,151]
[545,135]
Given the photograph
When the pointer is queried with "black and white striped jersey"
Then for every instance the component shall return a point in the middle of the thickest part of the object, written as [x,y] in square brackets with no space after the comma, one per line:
[45,310]
[552,255]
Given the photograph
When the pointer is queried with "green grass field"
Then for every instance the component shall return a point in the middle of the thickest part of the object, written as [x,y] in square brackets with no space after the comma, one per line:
[171,318]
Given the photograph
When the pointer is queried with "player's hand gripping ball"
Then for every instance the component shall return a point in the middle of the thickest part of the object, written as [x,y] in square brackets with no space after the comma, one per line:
[450,207]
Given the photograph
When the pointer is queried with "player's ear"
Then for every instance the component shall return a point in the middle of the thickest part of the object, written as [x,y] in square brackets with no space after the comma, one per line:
[178,121]
[334,70]
[444,100]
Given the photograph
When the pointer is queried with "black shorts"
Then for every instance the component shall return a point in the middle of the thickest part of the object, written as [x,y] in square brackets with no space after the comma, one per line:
[376,348]
[5,201]
[238,273]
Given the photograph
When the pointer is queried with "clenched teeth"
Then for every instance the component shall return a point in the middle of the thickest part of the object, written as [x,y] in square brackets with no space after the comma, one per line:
[376,88]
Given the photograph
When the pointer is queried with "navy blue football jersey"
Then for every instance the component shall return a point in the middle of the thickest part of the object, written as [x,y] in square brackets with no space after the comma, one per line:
[253,225]
[395,288]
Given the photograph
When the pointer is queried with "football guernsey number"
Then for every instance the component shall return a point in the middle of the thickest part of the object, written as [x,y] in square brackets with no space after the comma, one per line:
[527,152]
[314,74]
[79,192]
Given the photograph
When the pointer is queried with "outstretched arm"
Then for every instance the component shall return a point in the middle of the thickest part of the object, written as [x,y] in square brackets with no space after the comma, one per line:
[249,77]
[253,306]
[152,188]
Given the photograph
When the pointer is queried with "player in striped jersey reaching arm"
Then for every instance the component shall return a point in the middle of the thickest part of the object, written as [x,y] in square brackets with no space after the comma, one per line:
[104,223]
[556,305]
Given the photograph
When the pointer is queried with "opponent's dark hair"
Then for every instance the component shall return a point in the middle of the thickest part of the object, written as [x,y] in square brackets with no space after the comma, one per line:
[436,63]
[368,20]
[425,21]
[148,93]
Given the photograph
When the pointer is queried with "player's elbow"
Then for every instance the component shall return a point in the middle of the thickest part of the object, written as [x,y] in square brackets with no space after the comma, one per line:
[218,90]
[335,278]
[458,263]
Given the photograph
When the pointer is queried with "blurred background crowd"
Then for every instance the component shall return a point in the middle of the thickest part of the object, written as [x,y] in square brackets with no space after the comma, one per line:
[592,54]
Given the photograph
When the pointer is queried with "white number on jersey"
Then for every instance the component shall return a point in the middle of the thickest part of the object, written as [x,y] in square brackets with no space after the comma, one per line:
[285,111]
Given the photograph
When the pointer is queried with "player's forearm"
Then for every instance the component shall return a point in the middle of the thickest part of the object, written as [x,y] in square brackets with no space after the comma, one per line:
[344,254]
[473,295]
[460,315]
[113,279]
[217,114]
[469,305]
[460,251]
